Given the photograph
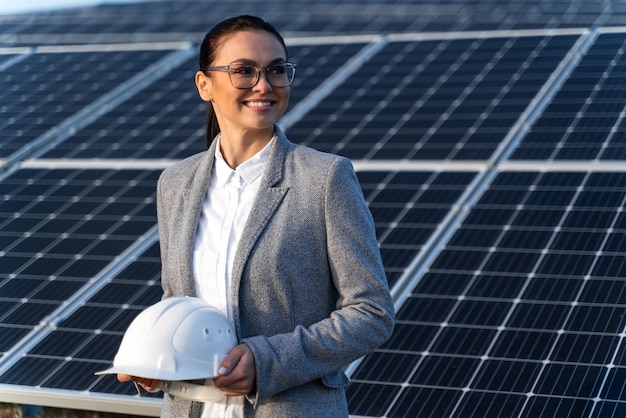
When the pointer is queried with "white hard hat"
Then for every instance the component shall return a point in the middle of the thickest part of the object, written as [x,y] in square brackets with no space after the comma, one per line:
[176,339]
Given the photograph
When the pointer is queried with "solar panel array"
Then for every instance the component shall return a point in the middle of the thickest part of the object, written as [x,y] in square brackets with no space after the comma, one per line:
[487,140]
[161,20]
[520,314]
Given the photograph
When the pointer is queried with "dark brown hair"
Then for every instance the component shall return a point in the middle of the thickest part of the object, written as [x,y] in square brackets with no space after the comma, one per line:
[211,43]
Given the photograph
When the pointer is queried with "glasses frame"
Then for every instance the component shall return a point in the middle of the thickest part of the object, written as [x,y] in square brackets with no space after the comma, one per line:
[229,70]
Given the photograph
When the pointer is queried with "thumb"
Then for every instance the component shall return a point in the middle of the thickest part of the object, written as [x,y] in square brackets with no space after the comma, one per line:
[231,360]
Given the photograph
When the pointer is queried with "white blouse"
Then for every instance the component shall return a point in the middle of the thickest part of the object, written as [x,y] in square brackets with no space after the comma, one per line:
[226,207]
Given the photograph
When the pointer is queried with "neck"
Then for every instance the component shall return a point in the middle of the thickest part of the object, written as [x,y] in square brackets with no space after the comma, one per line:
[238,149]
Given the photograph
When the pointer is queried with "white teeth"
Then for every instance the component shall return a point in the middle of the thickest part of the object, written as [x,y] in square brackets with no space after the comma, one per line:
[258,104]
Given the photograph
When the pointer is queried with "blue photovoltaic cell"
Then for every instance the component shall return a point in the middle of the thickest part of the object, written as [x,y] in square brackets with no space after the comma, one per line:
[5,59]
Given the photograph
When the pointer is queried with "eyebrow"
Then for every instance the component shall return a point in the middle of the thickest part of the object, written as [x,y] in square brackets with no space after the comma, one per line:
[252,62]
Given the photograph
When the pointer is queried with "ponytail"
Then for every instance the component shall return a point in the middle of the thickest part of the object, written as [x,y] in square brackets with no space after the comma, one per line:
[212,126]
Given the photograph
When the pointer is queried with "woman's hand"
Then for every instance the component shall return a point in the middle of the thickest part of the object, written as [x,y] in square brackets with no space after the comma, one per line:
[237,372]
[150,385]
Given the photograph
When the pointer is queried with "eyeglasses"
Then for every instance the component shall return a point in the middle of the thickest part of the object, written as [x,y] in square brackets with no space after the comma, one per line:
[245,76]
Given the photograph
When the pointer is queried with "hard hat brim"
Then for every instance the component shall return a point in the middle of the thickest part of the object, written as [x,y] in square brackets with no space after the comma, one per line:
[156,374]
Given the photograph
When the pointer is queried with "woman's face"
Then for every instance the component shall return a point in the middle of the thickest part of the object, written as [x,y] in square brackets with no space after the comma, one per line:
[251,110]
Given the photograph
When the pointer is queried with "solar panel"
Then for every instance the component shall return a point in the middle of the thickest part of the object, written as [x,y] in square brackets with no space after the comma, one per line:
[434,100]
[59,229]
[585,120]
[519,315]
[41,91]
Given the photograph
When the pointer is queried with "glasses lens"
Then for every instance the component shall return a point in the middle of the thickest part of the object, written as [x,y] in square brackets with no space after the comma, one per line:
[281,75]
[244,76]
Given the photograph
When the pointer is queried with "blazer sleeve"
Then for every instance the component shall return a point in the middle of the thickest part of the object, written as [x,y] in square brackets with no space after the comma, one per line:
[363,318]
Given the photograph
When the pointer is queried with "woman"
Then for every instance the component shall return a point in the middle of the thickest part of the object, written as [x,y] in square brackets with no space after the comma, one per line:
[276,235]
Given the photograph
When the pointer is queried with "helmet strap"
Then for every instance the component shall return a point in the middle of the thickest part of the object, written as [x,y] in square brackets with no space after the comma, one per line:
[192,391]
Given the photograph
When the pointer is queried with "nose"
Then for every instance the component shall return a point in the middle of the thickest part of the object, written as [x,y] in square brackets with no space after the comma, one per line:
[264,83]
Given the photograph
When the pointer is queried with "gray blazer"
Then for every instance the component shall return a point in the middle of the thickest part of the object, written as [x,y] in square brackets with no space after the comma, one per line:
[309,290]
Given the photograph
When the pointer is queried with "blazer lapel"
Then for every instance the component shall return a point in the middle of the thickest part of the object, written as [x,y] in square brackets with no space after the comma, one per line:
[193,200]
[265,205]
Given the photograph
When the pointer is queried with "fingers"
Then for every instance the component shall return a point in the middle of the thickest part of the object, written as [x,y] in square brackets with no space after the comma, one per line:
[124,377]
[150,385]
[237,372]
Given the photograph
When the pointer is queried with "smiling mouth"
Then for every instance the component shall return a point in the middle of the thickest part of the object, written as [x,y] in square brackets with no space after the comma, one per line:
[258,104]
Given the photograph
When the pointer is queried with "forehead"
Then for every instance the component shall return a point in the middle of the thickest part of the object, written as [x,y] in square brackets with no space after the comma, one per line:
[260,47]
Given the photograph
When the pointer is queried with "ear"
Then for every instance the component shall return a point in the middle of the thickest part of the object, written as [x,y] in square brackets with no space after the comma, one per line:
[203,83]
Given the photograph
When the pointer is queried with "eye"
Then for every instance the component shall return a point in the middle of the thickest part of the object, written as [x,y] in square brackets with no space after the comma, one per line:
[277,69]
[244,70]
